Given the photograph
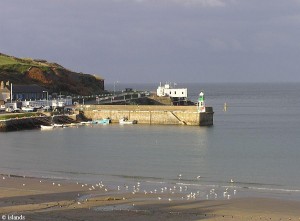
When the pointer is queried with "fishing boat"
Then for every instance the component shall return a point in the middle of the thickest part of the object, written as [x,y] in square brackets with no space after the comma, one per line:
[124,120]
[104,121]
[72,124]
[44,127]
[86,122]
[58,125]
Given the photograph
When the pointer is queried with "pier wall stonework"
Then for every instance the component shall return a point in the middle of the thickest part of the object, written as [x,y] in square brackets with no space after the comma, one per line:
[172,115]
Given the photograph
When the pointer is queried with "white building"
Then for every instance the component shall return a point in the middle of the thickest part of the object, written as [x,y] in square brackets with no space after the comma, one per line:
[61,101]
[167,90]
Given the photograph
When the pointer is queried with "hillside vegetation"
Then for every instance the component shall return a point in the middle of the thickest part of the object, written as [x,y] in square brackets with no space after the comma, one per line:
[52,76]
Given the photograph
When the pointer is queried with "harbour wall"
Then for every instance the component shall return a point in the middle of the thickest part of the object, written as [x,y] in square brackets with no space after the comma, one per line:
[151,114]
[24,123]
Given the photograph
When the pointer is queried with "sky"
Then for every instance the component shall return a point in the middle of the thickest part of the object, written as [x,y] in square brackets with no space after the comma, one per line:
[149,41]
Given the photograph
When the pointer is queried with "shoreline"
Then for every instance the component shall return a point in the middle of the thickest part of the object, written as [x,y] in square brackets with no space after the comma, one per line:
[55,199]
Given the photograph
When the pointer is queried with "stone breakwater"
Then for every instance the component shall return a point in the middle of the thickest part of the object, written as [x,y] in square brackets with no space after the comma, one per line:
[24,123]
[151,114]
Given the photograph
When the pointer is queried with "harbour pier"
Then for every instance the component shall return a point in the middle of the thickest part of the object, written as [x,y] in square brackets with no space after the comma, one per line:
[151,114]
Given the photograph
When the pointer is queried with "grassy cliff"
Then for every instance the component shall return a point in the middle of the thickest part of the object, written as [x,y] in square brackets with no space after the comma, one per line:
[52,76]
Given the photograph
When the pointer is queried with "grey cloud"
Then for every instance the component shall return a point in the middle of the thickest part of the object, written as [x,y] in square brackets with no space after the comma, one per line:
[148,40]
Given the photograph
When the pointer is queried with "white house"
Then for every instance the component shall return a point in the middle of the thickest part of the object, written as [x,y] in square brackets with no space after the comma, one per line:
[167,90]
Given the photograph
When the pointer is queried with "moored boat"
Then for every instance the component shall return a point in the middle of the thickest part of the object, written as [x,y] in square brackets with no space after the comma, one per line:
[102,121]
[124,120]
[58,125]
[44,127]
[86,122]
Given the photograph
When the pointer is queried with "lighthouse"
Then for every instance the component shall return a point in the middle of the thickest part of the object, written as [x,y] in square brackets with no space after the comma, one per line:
[201,103]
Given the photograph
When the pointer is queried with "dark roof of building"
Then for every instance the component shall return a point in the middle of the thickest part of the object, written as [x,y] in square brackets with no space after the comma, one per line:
[33,88]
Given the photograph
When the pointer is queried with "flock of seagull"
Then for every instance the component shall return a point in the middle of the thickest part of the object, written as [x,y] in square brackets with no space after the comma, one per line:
[169,192]
[162,191]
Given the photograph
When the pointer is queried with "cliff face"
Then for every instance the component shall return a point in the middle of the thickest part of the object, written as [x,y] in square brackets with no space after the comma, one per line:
[52,76]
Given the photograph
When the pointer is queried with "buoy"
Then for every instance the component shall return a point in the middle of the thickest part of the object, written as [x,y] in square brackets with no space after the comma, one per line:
[225,107]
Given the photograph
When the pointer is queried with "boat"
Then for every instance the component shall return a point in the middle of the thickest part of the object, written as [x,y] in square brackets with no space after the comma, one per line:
[58,125]
[86,122]
[44,127]
[72,125]
[124,120]
[104,121]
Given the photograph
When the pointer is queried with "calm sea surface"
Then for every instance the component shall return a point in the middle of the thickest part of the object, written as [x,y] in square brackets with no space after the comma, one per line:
[256,143]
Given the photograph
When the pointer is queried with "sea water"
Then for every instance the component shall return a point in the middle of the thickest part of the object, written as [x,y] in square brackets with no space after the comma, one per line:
[253,147]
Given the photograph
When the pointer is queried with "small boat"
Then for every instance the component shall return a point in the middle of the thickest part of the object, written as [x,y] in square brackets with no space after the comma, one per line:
[86,122]
[104,121]
[72,125]
[124,120]
[43,127]
[58,125]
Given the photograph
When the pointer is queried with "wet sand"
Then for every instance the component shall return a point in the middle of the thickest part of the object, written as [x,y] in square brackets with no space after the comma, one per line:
[49,199]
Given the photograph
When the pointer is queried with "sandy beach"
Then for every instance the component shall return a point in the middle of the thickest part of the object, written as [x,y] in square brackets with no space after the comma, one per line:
[23,198]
